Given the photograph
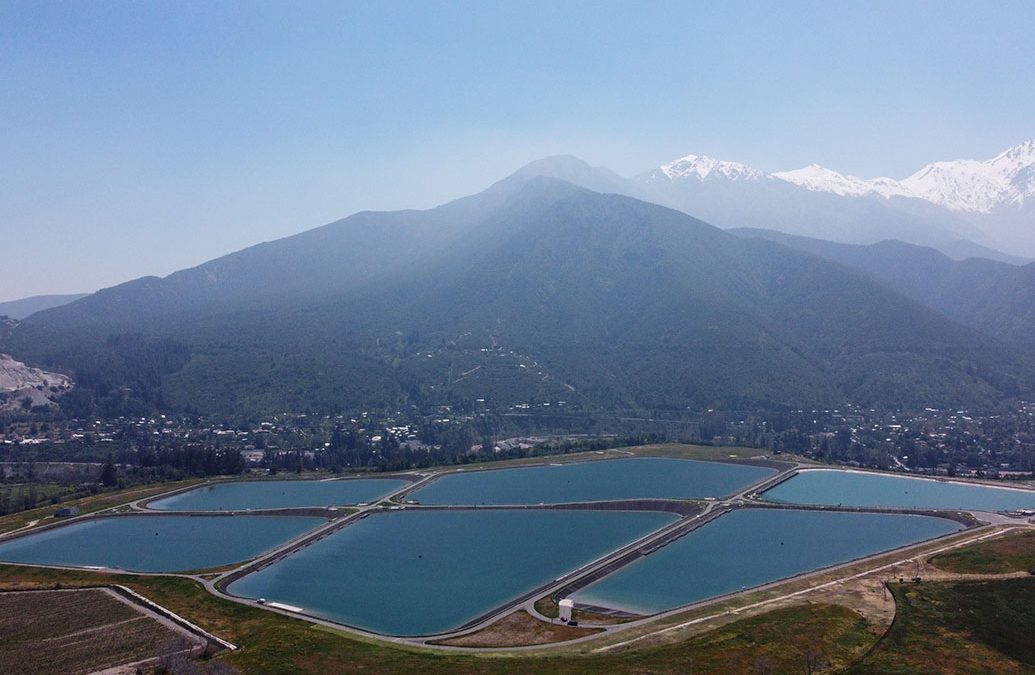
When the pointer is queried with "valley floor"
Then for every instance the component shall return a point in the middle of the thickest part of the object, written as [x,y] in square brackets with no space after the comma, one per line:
[972,610]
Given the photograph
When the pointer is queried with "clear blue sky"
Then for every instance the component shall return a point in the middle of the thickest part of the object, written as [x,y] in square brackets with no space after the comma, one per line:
[142,137]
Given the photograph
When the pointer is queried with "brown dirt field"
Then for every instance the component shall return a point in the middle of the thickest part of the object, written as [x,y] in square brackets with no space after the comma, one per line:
[519,629]
[75,632]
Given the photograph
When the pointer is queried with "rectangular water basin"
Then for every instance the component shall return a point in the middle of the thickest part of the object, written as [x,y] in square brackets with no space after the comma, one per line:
[153,543]
[751,547]
[425,572]
[613,479]
[278,494]
[835,487]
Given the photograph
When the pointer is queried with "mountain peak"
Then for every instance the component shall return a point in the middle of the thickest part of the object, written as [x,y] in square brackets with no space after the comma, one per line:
[821,179]
[978,185]
[540,167]
[702,167]
[1016,158]
[574,170]
[969,185]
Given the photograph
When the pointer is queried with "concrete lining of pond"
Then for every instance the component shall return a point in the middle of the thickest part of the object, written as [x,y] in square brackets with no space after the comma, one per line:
[689,512]
[651,541]
[389,590]
[203,502]
[734,501]
[797,487]
[180,542]
[685,508]
[746,549]
[591,571]
[323,531]
[600,480]
[682,507]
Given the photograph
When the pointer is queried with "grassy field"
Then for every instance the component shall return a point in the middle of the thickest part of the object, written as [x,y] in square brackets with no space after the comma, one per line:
[91,504]
[687,451]
[959,627]
[519,629]
[1012,553]
[15,493]
[75,632]
[271,643]
[675,450]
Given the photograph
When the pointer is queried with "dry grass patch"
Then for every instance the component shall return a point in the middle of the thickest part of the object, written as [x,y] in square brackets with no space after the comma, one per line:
[76,632]
[957,628]
[519,629]
[1013,552]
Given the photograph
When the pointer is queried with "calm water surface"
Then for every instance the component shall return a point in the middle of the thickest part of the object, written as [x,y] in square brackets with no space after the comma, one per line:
[750,547]
[426,572]
[157,543]
[638,478]
[279,494]
[857,488]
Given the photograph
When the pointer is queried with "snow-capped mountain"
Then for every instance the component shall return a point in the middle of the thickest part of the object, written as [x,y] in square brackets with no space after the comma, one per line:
[702,167]
[965,208]
[821,179]
[813,202]
[965,185]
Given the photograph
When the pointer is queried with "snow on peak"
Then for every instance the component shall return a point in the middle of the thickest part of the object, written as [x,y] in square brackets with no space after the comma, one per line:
[960,185]
[702,167]
[971,185]
[1017,157]
[978,185]
[821,179]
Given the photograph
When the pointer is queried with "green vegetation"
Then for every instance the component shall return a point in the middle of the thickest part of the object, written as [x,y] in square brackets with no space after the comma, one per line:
[100,502]
[547,607]
[961,627]
[1014,552]
[23,496]
[533,292]
[519,629]
[691,451]
[271,643]
[993,297]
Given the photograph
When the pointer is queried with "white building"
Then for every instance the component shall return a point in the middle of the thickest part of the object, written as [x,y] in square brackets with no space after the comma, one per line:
[567,608]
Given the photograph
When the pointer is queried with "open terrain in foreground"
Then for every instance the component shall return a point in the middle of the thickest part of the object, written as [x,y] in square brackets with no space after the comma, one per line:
[981,626]
[271,643]
[80,631]
[966,614]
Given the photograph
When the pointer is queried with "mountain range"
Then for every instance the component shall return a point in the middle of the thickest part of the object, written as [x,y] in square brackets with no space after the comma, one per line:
[23,307]
[536,289]
[964,208]
[995,298]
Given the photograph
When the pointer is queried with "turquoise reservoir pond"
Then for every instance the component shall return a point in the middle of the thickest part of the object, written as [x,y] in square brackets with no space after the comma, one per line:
[156,543]
[638,478]
[751,547]
[858,488]
[426,572]
[279,494]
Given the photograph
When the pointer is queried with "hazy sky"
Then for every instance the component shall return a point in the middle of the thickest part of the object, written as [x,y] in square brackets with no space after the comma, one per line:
[142,137]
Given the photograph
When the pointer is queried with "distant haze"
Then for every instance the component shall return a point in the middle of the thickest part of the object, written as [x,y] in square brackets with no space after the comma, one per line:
[144,138]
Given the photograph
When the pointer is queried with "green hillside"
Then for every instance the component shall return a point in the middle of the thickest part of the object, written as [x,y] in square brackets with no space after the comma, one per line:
[995,298]
[531,290]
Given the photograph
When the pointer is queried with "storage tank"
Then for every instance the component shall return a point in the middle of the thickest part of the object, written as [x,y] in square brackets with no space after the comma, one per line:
[567,608]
